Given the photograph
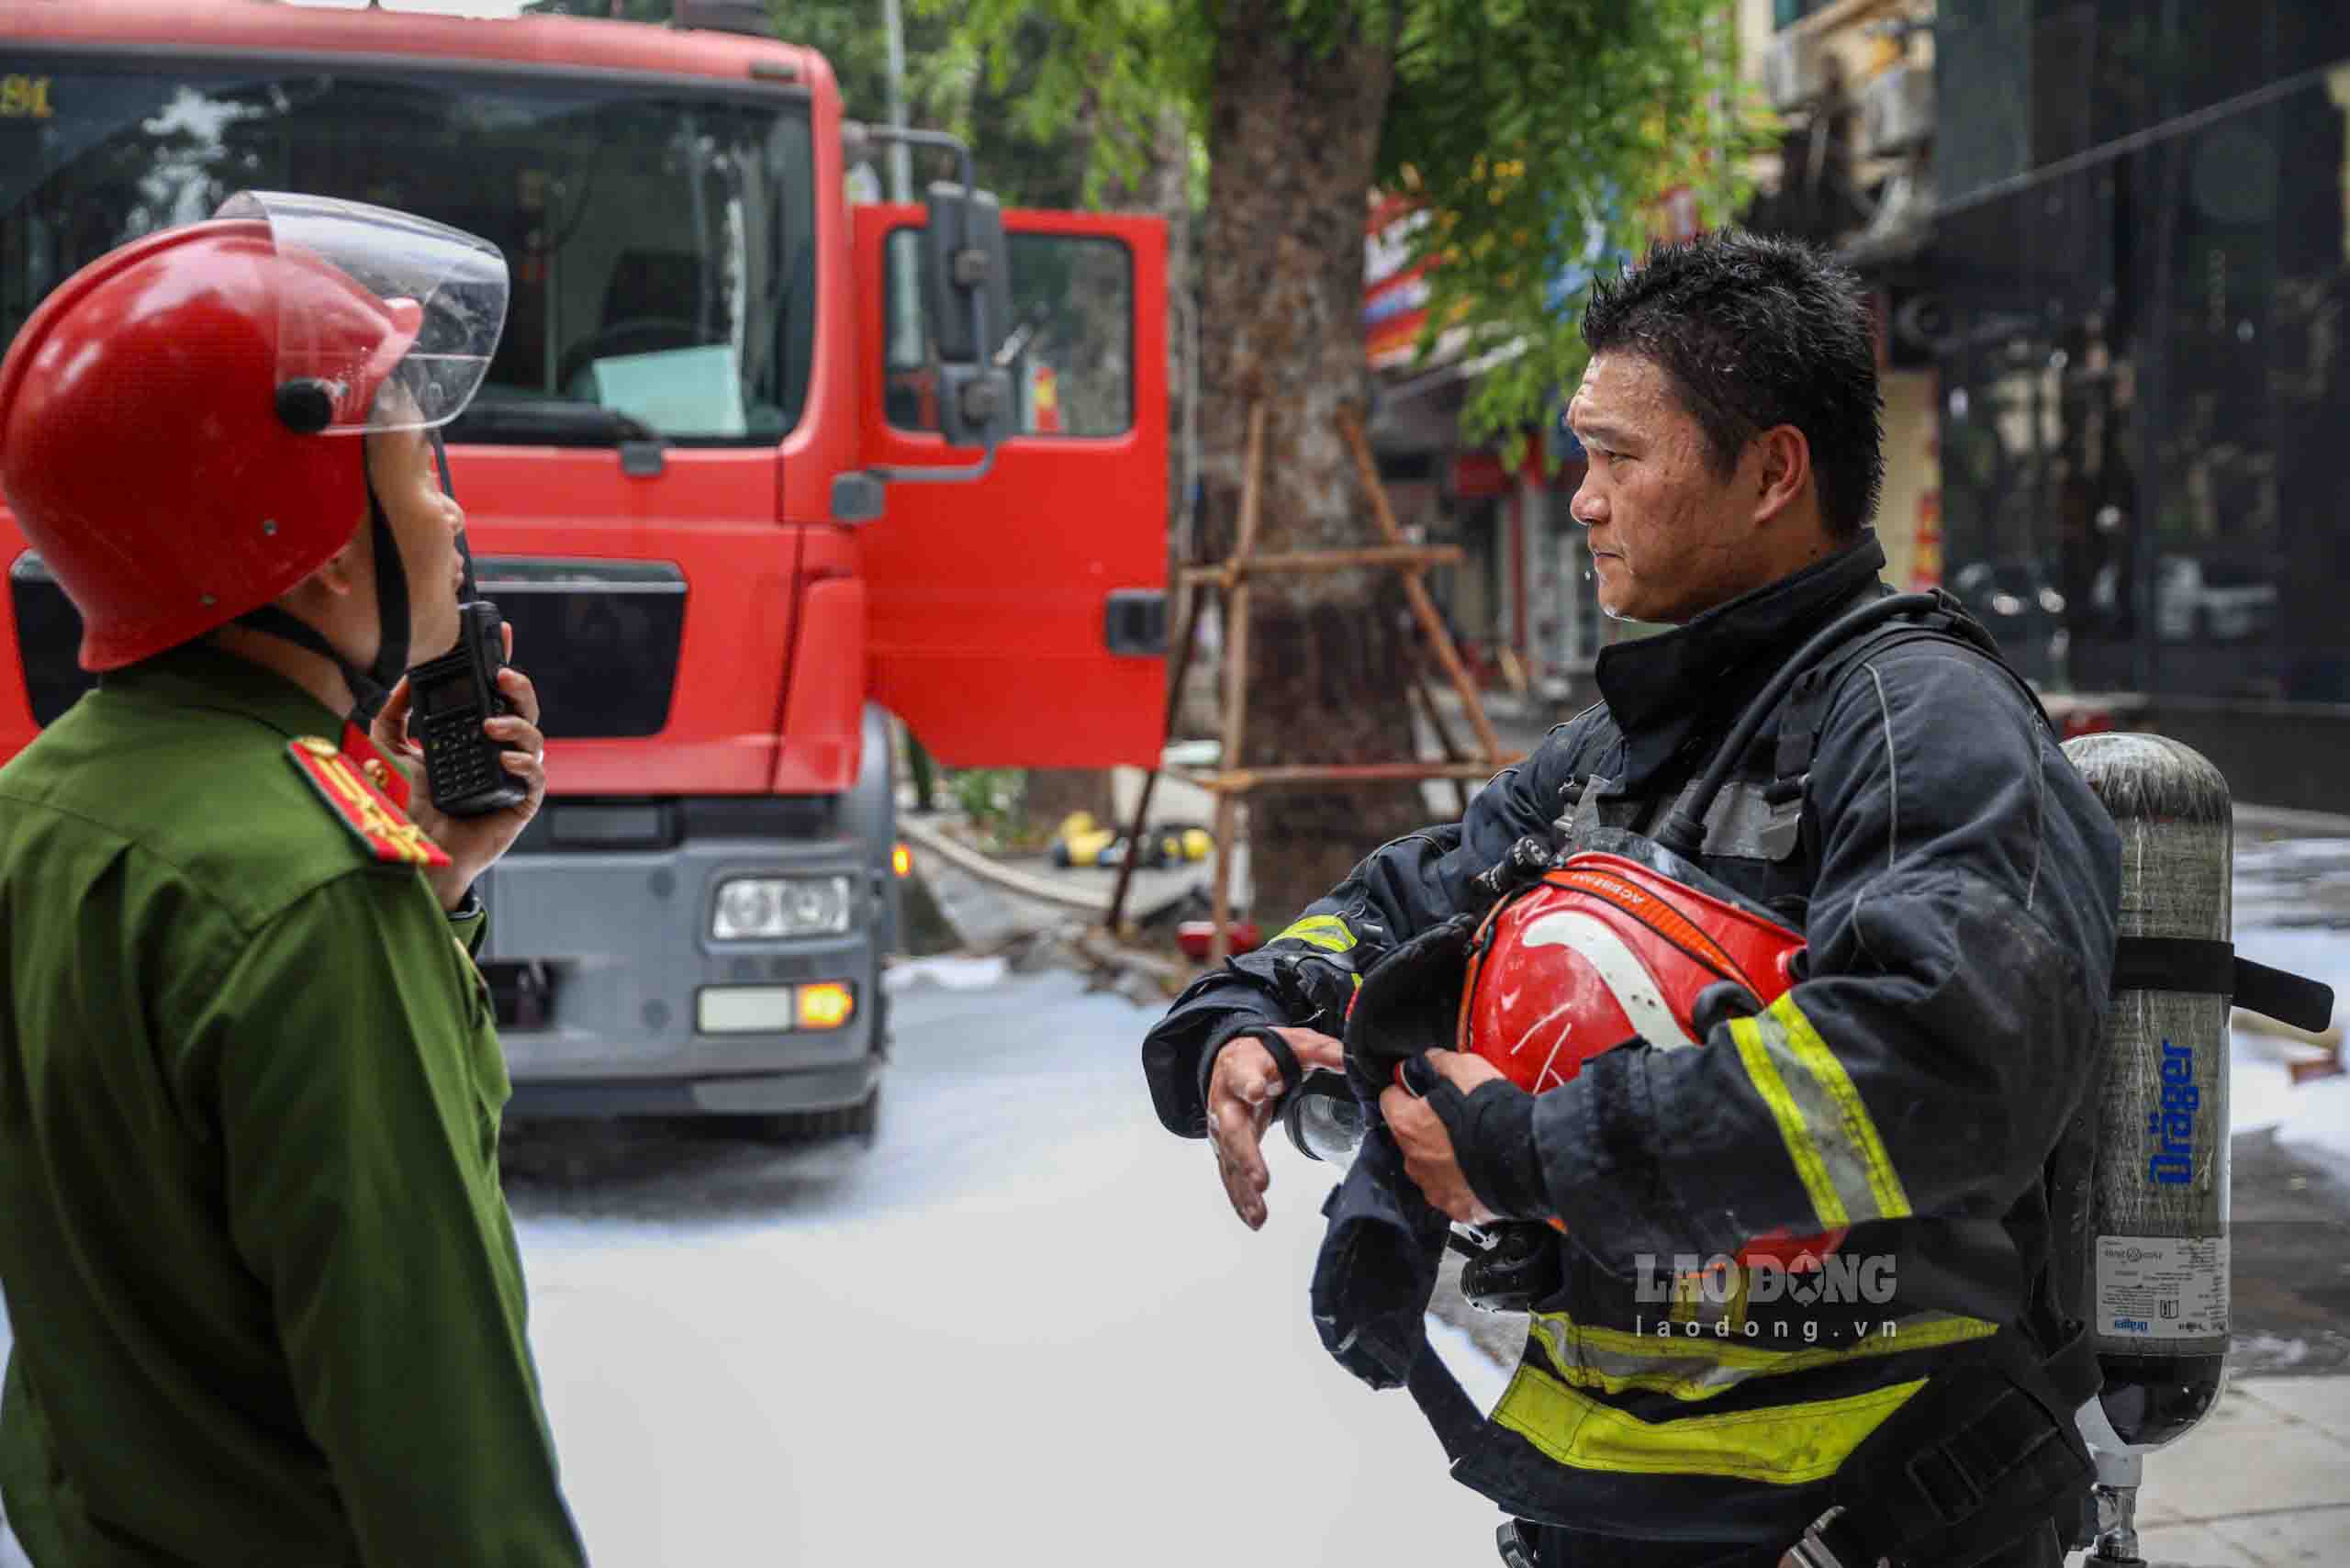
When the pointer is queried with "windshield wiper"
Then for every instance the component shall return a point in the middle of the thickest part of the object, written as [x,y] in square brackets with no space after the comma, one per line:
[546,421]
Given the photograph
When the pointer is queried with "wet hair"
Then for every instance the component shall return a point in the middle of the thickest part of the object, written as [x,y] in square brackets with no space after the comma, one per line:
[1755,332]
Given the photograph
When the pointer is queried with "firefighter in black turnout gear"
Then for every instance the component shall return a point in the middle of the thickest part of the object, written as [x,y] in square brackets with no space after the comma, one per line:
[1907,810]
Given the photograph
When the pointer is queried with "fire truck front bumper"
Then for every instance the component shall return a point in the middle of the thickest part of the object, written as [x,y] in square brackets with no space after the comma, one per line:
[614,997]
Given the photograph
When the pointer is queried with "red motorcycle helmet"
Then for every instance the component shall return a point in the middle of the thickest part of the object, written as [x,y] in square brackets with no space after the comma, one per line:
[167,414]
[1603,950]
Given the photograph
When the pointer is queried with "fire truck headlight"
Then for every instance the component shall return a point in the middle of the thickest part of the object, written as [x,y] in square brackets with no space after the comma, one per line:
[769,908]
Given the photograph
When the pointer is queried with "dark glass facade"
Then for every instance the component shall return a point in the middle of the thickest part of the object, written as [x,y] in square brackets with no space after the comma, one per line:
[2144,248]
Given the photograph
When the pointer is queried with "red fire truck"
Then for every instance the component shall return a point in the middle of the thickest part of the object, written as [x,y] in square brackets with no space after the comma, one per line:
[706,482]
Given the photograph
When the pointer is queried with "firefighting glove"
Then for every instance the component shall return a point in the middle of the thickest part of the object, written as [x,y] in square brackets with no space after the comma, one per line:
[1410,1002]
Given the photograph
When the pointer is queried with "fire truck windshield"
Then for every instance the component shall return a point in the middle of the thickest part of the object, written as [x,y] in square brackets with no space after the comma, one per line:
[660,238]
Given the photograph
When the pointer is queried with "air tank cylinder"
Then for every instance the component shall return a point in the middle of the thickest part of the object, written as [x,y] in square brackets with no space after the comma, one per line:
[2154,1277]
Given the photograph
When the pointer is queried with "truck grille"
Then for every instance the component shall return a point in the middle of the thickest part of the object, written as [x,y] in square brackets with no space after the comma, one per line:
[602,639]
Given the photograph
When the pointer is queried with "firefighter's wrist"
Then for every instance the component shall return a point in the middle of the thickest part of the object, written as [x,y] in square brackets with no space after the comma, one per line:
[1286,1066]
[1492,1142]
[1231,1032]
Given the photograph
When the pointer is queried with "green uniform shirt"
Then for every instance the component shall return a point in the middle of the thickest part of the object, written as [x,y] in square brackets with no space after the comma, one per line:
[267,1303]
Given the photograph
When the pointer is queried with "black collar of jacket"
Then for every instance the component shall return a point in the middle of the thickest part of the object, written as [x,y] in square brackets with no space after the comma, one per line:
[1672,695]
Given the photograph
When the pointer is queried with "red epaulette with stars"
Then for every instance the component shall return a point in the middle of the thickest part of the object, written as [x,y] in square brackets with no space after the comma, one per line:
[347,783]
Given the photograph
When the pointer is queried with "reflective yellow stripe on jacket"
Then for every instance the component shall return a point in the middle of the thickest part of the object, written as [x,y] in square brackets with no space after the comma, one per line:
[1326,932]
[1564,1399]
[1829,1135]
[1786,1445]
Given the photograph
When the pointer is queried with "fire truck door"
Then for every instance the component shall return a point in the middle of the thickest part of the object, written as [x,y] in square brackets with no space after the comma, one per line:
[1020,619]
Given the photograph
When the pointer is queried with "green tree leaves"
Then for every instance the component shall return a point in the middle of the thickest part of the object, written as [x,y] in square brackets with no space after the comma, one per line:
[1539,134]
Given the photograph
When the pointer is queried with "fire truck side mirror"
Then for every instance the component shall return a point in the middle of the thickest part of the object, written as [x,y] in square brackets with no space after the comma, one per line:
[975,405]
[966,279]
[967,276]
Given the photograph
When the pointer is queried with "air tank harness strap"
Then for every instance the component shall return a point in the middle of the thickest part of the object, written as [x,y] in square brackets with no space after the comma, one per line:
[1980,1458]
[2215,969]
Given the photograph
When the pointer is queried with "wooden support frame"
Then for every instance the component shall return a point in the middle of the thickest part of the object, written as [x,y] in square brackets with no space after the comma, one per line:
[1231,571]
[1443,732]
[1230,578]
[1246,781]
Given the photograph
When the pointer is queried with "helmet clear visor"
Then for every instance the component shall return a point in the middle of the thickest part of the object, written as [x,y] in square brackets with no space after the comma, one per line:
[387,321]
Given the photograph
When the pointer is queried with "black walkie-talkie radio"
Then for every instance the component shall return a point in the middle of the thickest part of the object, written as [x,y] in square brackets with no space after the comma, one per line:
[452,696]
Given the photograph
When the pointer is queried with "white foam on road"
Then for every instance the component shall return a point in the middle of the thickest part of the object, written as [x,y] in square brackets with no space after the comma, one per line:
[953,972]
[1025,1329]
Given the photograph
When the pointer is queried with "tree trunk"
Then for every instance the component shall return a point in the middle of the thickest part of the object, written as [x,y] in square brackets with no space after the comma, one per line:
[1292,141]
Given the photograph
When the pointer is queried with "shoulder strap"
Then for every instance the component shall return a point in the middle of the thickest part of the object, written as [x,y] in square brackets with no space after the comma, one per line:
[360,805]
[1807,706]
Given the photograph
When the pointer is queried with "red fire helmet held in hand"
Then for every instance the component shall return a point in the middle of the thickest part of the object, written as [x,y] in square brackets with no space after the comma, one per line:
[1603,951]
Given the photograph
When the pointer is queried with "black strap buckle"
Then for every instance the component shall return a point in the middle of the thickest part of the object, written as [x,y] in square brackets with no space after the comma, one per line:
[1510,1541]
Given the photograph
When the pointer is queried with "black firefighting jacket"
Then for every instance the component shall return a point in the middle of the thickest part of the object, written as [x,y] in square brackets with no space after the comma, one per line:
[1957,884]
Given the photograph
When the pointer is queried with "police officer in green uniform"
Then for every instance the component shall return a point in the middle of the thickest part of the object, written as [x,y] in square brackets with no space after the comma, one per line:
[267,1303]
